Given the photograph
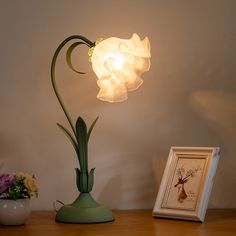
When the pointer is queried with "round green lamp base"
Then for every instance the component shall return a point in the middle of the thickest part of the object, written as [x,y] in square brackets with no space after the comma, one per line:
[84,210]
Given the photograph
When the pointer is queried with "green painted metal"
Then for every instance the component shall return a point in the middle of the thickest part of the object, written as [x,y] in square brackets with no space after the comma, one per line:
[69,53]
[53,76]
[84,209]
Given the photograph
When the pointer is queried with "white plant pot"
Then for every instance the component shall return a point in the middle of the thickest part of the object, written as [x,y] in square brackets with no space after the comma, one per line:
[14,212]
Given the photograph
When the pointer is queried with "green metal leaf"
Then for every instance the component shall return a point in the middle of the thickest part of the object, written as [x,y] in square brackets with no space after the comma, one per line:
[68,56]
[71,138]
[78,178]
[84,182]
[91,128]
[91,180]
[81,132]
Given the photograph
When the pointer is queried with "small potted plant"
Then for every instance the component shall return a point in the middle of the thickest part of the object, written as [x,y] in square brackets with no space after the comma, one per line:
[15,193]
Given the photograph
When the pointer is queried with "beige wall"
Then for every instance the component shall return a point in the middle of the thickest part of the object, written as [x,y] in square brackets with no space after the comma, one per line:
[188,97]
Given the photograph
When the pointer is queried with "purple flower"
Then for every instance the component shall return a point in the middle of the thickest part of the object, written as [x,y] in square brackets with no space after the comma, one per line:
[6,180]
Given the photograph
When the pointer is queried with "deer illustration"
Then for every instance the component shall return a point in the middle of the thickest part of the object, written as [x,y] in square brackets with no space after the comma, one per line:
[182,195]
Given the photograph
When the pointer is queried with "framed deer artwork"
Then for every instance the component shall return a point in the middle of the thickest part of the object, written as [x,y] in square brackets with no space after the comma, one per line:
[186,183]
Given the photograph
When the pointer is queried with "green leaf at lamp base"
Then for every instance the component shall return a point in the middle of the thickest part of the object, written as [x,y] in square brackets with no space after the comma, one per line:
[84,210]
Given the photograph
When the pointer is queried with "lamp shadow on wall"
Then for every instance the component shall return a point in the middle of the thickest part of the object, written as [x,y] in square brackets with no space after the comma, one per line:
[113,186]
[158,166]
[134,187]
[218,109]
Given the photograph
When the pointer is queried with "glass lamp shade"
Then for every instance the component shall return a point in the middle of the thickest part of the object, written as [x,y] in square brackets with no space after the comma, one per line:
[119,64]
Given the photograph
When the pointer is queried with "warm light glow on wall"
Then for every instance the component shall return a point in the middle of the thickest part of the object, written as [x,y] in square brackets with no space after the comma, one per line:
[119,64]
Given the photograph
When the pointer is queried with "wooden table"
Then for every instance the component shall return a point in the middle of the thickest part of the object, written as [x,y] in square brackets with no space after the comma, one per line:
[128,223]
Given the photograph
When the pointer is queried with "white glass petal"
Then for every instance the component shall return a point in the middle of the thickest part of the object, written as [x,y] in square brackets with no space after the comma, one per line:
[119,64]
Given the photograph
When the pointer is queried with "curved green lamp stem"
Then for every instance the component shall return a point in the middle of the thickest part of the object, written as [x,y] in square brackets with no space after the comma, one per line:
[53,78]
[84,209]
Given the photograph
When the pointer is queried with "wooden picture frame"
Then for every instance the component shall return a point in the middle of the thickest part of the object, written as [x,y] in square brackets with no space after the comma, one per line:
[186,183]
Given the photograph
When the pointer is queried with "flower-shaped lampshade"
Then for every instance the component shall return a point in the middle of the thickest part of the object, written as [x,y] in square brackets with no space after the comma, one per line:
[118,64]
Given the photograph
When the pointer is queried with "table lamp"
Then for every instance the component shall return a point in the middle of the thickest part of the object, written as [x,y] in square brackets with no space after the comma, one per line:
[118,64]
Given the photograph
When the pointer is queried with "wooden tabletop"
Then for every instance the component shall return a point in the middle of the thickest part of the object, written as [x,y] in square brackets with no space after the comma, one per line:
[128,223]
